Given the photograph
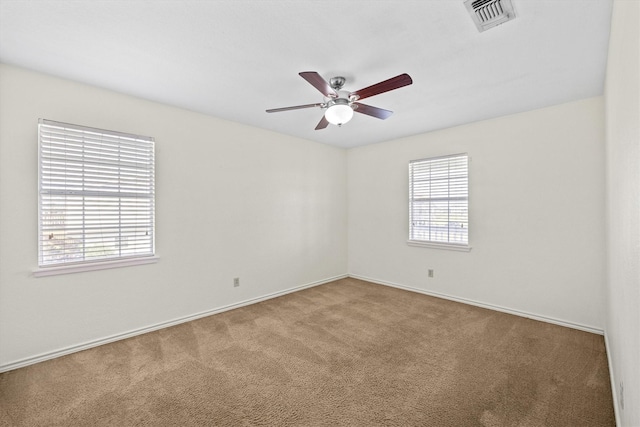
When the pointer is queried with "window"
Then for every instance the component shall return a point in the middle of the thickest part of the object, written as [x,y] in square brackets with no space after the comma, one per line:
[438,202]
[96,195]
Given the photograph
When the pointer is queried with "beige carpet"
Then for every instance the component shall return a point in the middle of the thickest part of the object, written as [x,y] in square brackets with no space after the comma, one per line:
[348,353]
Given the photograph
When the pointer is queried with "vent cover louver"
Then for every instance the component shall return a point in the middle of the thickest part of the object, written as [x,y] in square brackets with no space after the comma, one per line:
[489,13]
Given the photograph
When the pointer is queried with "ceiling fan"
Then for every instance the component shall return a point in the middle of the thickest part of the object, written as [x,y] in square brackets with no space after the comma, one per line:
[339,105]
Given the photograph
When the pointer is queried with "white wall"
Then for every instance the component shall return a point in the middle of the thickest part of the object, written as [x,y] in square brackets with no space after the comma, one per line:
[536,214]
[232,201]
[623,207]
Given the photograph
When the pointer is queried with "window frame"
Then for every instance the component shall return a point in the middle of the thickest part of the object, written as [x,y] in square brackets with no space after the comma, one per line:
[117,180]
[437,244]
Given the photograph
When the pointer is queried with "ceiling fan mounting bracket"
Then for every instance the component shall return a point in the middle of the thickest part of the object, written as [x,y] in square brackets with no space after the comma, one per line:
[337,82]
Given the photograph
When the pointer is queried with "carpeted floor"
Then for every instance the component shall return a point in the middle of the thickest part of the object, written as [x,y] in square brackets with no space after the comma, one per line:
[347,353]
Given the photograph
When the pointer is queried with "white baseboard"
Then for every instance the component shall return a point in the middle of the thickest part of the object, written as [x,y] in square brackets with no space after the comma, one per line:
[95,343]
[612,378]
[546,319]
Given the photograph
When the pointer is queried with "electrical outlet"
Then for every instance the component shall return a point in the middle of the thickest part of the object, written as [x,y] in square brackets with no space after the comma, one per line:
[236,282]
[621,397]
[430,273]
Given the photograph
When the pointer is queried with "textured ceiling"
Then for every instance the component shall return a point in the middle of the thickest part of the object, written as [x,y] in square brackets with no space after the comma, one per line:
[236,58]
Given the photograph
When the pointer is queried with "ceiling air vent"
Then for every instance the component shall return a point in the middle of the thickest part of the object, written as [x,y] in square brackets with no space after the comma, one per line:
[489,13]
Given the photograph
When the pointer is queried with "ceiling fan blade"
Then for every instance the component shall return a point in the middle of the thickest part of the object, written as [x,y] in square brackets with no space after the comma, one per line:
[372,111]
[319,83]
[323,123]
[296,107]
[382,87]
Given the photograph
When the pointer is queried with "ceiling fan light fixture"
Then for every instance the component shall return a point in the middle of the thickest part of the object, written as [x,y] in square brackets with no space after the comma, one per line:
[339,113]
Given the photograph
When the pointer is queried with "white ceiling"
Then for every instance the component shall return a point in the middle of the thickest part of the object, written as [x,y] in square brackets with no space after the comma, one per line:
[236,58]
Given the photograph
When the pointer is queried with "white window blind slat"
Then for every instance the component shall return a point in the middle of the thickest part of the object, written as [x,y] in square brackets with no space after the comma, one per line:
[438,200]
[96,196]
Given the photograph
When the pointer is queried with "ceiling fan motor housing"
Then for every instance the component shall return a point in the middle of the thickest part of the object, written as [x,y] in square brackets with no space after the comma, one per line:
[343,96]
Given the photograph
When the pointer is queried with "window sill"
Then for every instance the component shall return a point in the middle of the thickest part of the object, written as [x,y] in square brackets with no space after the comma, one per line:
[436,245]
[79,268]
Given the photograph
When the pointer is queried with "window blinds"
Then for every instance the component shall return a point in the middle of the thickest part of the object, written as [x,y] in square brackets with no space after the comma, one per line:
[438,200]
[97,192]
